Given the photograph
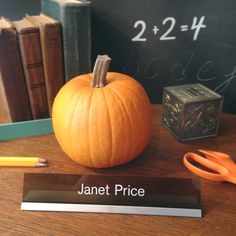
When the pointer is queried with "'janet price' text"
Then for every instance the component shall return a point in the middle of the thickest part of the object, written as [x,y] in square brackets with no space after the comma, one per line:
[105,190]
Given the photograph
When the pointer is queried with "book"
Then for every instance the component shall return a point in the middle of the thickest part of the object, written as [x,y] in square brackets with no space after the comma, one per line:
[30,48]
[76,27]
[14,100]
[51,45]
[111,194]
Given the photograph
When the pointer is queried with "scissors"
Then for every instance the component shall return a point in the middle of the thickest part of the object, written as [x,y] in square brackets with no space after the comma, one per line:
[217,161]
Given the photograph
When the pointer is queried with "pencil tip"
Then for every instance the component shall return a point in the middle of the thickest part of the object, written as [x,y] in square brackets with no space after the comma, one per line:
[41,160]
[39,164]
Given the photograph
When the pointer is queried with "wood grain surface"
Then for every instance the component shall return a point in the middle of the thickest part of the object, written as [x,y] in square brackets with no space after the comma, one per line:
[163,157]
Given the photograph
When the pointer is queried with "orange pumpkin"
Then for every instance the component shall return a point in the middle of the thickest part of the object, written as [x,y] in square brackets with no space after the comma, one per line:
[102,119]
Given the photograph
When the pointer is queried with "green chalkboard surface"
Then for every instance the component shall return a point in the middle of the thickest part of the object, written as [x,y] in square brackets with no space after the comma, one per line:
[169,42]
[162,42]
[16,9]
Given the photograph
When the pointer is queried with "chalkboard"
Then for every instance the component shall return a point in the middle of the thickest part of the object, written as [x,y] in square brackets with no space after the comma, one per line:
[170,42]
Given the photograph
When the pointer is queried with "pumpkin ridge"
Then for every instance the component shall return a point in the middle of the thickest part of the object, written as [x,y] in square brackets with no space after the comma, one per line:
[68,102]
[132,91]
[127,114]
[86,78]
[111,80]
[71,139]
[79,95]
[136,109]
[84,81]
[136,95]
[110,123]
[89,130]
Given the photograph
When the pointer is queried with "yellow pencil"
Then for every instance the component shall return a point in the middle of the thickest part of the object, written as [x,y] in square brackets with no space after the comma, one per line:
[23,161]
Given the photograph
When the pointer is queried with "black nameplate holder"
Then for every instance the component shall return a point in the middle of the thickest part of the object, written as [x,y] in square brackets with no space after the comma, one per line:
[111,194]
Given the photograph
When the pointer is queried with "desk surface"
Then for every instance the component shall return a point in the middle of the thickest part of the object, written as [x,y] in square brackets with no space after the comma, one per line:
[163,157]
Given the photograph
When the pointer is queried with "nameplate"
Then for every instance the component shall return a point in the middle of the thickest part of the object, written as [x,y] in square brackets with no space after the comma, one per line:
[111,194]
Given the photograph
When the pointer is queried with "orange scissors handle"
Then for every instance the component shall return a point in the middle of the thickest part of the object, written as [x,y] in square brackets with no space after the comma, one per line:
[214,163]
[221,158]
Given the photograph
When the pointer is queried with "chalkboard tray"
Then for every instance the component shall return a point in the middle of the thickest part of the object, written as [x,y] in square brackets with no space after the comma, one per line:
[25,129]
[169,42]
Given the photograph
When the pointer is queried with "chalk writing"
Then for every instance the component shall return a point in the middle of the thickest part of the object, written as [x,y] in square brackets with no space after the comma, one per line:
[179,71]
[225,84]
[180,68]
[167,35]
[206,67]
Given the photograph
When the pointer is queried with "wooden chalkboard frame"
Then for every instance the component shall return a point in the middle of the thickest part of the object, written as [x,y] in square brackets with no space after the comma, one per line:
[25,129]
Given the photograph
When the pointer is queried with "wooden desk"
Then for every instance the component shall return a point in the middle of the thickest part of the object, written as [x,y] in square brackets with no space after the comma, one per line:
[163,157]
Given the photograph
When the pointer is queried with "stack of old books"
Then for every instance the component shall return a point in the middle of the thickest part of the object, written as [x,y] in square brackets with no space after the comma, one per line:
[38,54]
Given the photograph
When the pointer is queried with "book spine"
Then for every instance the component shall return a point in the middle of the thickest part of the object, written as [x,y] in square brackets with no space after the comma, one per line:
[33,67]
[14,100]
[5,116]
[52,60]
[77,40]
[76,27]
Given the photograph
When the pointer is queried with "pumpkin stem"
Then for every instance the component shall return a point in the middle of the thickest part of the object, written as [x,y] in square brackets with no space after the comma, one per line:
[100,71]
